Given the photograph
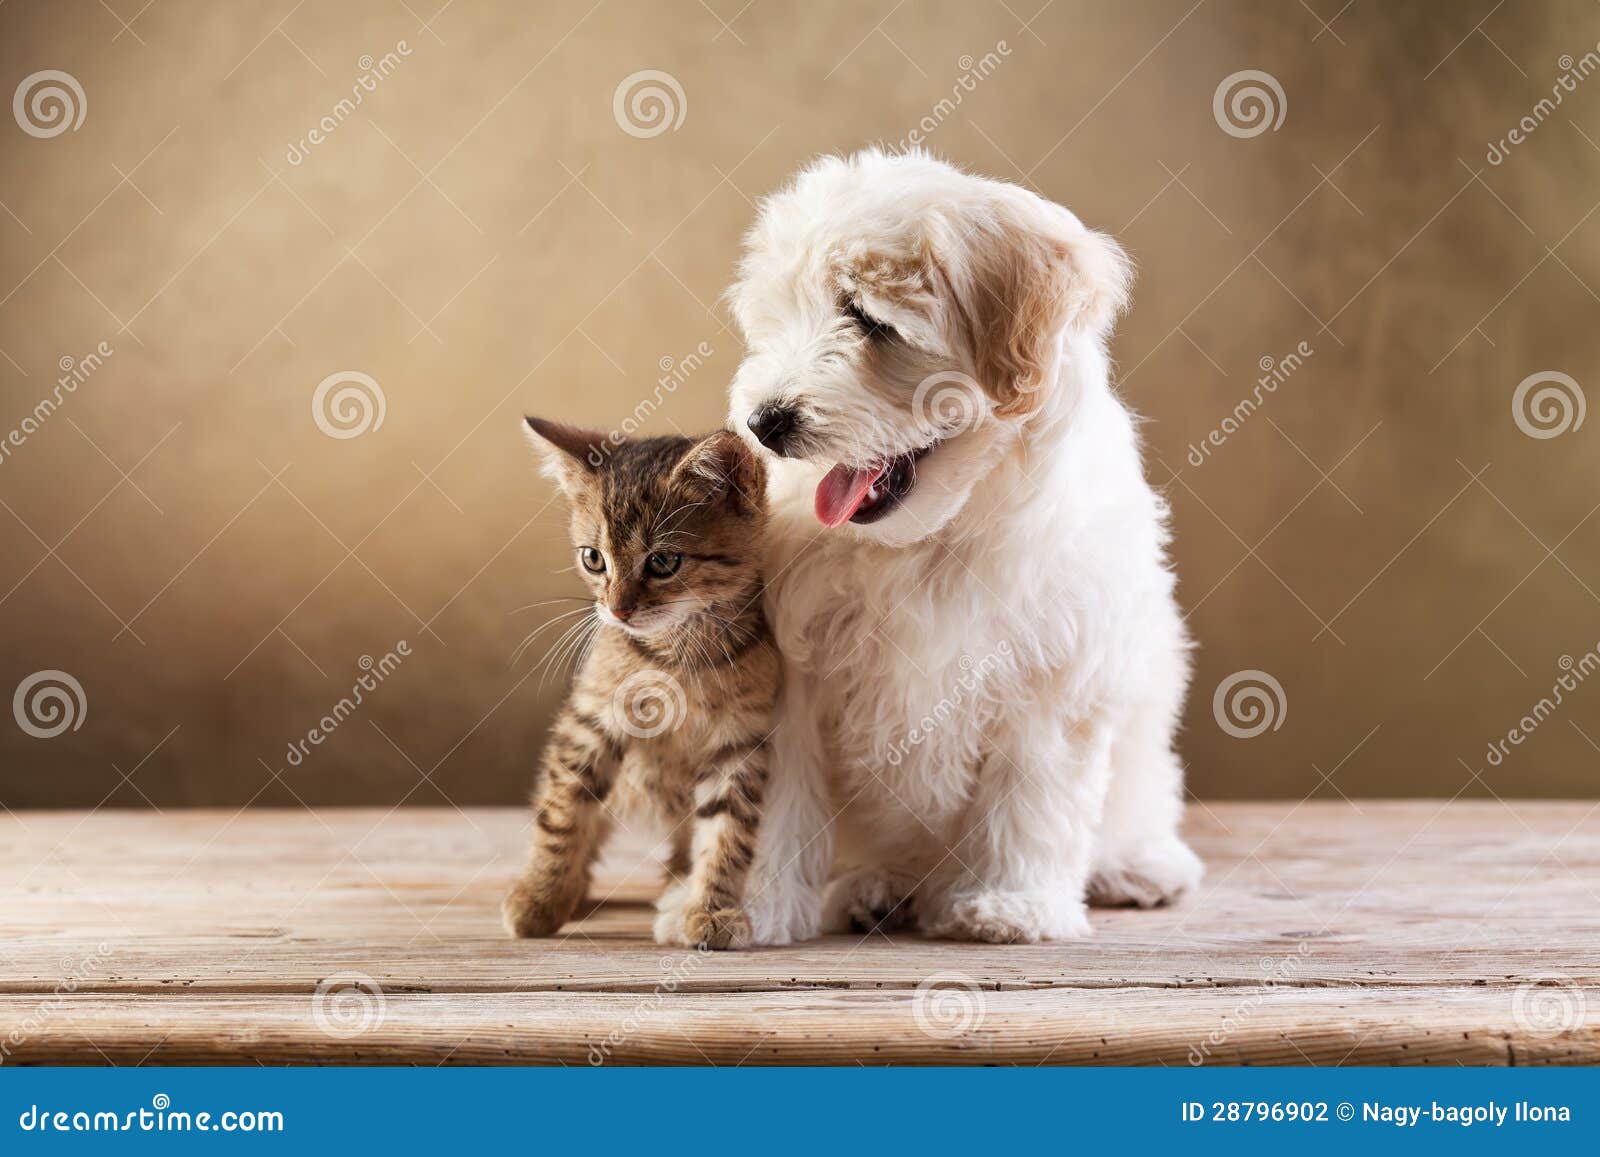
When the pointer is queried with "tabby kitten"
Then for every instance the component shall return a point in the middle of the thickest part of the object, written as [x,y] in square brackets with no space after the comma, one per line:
[671,706]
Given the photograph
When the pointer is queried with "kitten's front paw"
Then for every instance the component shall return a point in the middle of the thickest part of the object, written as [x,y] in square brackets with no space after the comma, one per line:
[1010,918]
[531,911]
[717,930]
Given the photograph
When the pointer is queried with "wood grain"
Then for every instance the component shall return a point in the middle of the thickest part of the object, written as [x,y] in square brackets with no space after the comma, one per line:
[1394,932]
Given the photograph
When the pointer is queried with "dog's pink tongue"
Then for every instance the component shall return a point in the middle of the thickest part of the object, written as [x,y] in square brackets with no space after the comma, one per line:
[841,492]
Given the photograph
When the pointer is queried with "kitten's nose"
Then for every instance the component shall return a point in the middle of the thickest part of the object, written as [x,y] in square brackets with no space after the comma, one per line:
[623,612]
[773,426]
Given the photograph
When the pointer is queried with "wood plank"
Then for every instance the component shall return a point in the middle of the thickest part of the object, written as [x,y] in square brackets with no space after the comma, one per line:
[1294,1026]
[1385,931]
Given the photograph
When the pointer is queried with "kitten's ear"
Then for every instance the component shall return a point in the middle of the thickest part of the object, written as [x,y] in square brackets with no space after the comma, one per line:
[722,465]
[568,455]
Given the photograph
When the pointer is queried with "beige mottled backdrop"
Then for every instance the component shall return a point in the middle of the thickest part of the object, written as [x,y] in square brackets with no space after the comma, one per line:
[1399,550]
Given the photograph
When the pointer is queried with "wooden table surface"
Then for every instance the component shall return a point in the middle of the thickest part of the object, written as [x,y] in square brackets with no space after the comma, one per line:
[1326,933]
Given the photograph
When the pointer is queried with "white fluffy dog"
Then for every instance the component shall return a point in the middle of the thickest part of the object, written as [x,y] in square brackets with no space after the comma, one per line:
[985,661]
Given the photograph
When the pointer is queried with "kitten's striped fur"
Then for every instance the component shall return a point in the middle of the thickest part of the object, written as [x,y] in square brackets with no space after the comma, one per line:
[671,712]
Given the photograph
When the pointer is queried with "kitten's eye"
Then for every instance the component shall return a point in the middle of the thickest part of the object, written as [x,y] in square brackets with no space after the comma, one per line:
[662,564]
[867,325]
[593,561]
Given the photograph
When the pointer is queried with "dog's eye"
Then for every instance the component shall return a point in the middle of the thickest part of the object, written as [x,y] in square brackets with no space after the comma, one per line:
[593,561]
[663,564]
[869,326]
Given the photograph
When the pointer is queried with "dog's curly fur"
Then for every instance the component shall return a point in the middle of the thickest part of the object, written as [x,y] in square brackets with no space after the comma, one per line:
[1030,548]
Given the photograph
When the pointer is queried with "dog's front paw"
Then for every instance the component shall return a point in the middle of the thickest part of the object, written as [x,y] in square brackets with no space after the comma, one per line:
[868,900]
[671,907]
[1145,876]
[782,912]
[1010,918]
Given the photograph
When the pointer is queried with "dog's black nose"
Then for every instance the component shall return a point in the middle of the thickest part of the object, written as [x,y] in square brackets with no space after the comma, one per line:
[773,426]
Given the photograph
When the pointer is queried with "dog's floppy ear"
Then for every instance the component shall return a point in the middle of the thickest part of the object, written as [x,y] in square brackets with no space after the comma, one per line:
[568,455]
[1033,270]
[722,466]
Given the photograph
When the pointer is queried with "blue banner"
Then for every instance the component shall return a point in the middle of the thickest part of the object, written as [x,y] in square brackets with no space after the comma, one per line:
[668,1111]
